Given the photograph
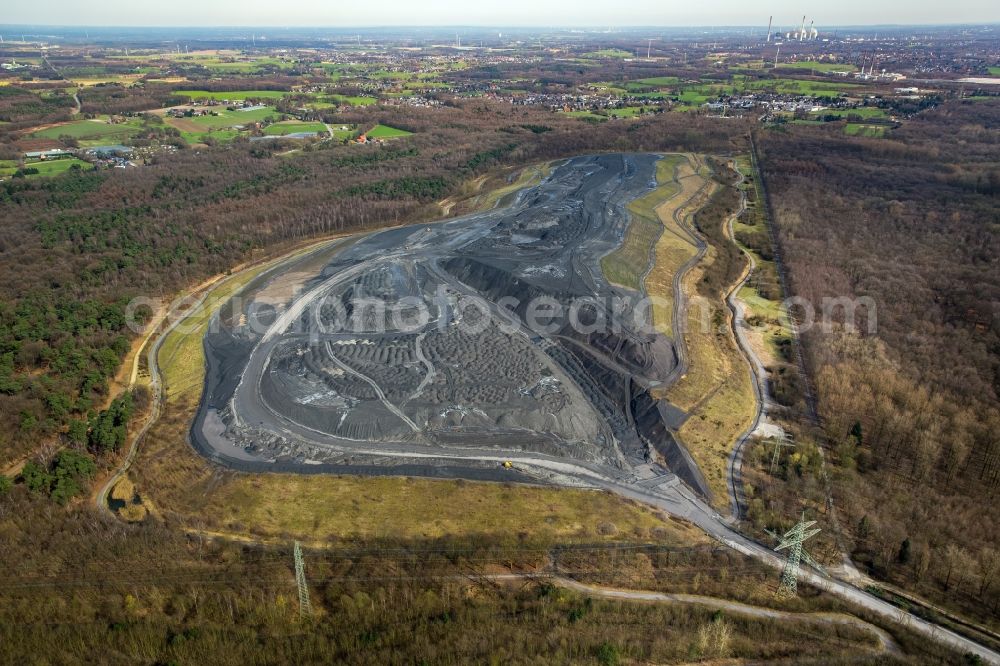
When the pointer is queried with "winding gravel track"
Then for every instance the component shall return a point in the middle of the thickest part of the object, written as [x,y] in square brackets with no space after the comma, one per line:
[885,640]
[737,496]
[156,384]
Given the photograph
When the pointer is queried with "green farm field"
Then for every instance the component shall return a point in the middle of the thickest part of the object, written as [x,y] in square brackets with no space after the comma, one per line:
[234,118]
[857,129]
[629,111]
[235,95]
[230,63]
[608,53]
[866,112]
[221,127]
[820,66]
[386,132]
[293,127]
[804,87]
[353,100]
[46,168]
[659,81]
[95,131]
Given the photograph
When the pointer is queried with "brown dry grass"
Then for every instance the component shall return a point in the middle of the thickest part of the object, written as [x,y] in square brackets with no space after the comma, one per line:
[674,247]
[185,125]
[717,391]
[124,490]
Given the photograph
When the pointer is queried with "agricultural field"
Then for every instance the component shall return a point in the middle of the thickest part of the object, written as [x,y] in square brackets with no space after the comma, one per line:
[696,96]
[748,66]
[229,62]
[606,114]
[608,53]
[120,79]
[629,111]
[424,85]
[223,126]
[337,71]
[352,100]
[386,132]
[45,168]
[93,132]
[382,74]
[658,81]
[341,132]
[804,87]
[824,67]
[612,88]
[586,115]
[690,94]
[168,80]
[858,129]
[866,112]
[294,127]
[653,95]
[233,96]
[226,118]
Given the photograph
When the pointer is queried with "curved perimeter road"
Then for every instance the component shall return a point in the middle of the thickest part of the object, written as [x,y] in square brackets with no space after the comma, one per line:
[174,316]
[156,406]
[885,640]
[737,496]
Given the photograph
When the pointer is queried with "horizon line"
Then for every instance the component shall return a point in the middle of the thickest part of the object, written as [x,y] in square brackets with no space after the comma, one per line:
[594,27]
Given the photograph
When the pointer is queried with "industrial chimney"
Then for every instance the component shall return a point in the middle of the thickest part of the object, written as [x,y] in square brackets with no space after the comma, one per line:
[769,28]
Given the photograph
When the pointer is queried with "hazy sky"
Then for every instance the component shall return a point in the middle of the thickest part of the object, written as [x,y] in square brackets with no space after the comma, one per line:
[491,12]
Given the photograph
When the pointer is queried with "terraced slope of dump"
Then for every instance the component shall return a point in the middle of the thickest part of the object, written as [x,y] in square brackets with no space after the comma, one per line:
[418,350]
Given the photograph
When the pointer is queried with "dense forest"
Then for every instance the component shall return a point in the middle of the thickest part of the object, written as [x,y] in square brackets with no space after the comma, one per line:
[908,397]
[77,248]
[23,106]
[92,589]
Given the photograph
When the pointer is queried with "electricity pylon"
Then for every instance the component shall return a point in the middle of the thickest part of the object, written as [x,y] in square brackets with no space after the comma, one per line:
[305,606]
[781,440]
[792,542]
